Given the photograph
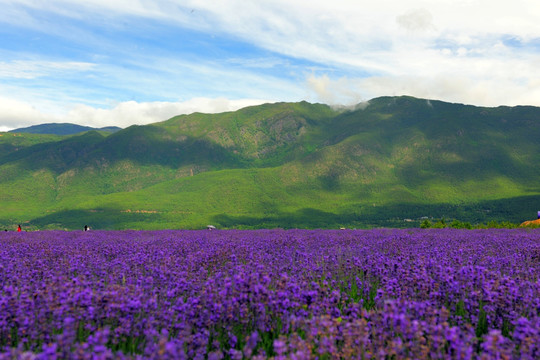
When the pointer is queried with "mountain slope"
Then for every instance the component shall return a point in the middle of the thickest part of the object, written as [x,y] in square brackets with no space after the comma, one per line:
[285,164]
[62,129]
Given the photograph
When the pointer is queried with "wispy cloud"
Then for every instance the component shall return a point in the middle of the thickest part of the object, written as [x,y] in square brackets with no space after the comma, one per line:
[24,69]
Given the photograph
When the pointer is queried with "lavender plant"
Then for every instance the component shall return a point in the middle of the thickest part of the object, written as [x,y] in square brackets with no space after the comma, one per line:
[298,294]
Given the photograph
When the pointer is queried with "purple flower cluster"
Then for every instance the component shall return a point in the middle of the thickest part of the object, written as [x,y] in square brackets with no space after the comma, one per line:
[296,294]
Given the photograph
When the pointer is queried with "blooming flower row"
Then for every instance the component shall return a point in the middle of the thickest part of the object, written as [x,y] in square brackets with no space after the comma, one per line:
[299,294]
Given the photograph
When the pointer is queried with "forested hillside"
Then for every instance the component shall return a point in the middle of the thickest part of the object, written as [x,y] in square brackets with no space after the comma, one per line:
[389,162]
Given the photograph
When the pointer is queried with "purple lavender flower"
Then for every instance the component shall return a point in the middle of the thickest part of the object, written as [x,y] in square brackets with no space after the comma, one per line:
[293,294]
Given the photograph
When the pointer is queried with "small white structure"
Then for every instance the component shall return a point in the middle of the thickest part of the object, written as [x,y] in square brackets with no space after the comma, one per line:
[210,227]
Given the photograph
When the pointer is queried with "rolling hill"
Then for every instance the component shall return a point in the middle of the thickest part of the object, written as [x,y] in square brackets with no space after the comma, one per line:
[388,162]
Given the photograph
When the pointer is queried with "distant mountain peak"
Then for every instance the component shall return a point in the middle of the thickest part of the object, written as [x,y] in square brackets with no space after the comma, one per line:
[62,129]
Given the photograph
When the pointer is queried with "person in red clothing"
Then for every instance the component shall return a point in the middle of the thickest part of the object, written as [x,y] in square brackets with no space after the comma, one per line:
[19,228]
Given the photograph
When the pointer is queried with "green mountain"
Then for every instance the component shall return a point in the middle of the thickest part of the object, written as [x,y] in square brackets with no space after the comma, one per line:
[62,129]
[389,162]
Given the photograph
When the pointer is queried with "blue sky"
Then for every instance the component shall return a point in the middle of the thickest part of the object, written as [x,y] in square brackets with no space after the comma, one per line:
[123,62]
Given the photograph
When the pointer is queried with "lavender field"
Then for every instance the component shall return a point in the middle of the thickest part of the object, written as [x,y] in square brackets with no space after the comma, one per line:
[299,294]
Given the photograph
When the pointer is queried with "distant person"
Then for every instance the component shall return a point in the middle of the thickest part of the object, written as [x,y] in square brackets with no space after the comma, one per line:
[86,228]
[19,228]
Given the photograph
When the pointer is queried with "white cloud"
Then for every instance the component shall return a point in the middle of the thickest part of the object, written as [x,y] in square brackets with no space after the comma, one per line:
[416,20]
[343,91]
[131,112]
[16,114]
[453,88]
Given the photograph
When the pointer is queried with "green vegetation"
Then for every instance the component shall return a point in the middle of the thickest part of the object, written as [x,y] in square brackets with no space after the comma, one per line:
[394,163]
[457,224]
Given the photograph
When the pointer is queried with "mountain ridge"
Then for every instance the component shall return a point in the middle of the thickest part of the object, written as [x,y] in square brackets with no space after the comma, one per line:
[62,129]
[284,165]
